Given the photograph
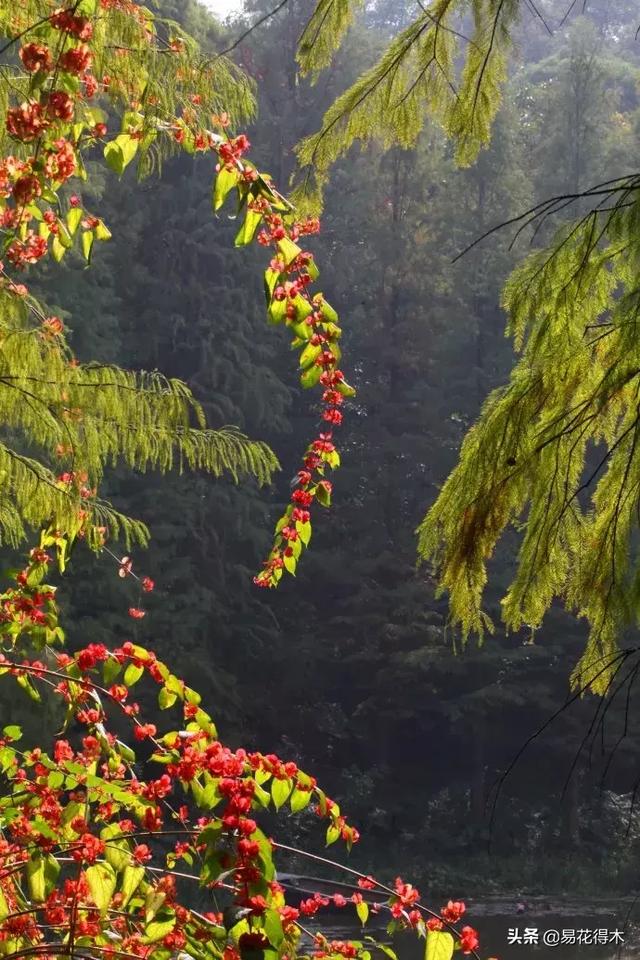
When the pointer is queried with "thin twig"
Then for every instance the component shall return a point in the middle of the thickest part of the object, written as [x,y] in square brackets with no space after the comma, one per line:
[250,30]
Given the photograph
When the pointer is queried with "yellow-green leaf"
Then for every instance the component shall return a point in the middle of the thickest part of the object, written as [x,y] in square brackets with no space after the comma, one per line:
[362,909]
[101,878]
[166,698]
[87,243]
[120,152]
[299,800]
[333,834]
[310,377]
[304,531]
[225,182]
[439,945]
[73,218]
[64,236]
[309,355]
[57,250]
[131,879]
[132,674]
[345,389]
[280,790]
[42,873]
[248,229]
[157,929]
[101,231]
[288,250]
[153,901]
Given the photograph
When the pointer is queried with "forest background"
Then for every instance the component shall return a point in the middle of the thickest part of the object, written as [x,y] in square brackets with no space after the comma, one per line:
[376,694]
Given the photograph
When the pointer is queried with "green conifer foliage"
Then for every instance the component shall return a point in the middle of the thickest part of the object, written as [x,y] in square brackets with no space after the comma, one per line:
[430,66]
[87,416]
[556,451]
[63,422]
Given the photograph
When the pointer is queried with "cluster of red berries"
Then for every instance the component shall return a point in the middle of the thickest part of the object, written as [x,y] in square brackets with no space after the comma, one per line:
[295,279]
[67,22]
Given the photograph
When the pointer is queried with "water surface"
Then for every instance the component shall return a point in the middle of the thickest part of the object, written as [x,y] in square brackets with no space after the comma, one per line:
[579,927]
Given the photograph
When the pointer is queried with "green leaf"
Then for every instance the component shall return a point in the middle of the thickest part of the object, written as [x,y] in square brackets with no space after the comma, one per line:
[248,229]
[211,835]
[302,331]
[204,722]
[29,688]
[7,759]
[131,879]
[87,8]
[290,564]
[210,796]
[12,732]
[272,925]
[57,250]
[328,313]
[110,670]
[101,878]
[225,182]
[152,903]
[101,231]
[132,674]
[266,855]
[309,355]
[192,696]
[271,278]
[4,906]
[288,250]
[212,866]
[304,531]
[345,389]
[157,929]
[236,931]
[120,152]
[310,377]
[333,834]
[117,851]
[299,800]
[42,873]
[125,751]
[87,244]
[94,115]
[362,909]
[323,496]
[280,789]
[303,310]
[261,795]
[34,211]
[439,945]
[277,311]
[114,156]
[64,236]
[166,698]
[384,948]
[73,218]
[175,685]
[81,170]
[55,779]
